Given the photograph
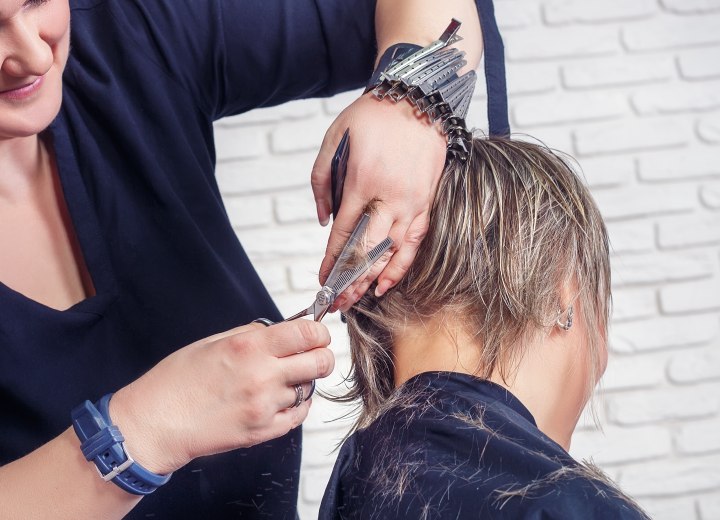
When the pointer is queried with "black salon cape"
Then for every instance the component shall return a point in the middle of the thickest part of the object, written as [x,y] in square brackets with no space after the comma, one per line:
[134,147]
[447,448]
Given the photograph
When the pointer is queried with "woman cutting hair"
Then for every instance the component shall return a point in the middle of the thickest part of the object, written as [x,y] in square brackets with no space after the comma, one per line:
[474,370]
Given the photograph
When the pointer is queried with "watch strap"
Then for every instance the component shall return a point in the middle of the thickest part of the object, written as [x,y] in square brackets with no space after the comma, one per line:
[102,443]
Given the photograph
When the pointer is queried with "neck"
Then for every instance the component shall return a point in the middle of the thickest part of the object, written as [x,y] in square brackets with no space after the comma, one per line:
[24,159]
[549,380]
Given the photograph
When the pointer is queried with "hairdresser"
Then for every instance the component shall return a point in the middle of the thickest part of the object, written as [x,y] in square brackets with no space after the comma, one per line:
[123,284]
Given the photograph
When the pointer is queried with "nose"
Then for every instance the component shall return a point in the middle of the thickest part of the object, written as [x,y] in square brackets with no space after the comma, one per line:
[24,52]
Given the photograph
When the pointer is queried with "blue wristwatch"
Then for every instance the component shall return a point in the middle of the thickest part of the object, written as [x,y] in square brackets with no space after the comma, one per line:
[102,443]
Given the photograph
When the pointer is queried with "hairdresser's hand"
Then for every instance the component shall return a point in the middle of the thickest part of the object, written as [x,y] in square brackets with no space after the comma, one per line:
[228,391]
[395,162]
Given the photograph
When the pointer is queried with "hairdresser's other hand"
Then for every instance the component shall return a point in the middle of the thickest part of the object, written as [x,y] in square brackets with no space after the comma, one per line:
[231,390]
[395,162]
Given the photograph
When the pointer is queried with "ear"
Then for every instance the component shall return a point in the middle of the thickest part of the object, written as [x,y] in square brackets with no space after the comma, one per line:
[566,311]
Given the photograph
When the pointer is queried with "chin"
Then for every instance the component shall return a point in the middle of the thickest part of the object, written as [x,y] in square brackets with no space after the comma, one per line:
[32,118]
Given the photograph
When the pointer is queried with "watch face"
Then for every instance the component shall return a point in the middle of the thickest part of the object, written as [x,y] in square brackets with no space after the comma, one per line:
[338,170]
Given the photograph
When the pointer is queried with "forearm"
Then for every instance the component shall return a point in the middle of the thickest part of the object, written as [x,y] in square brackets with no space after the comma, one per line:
[55,481]
[422,21]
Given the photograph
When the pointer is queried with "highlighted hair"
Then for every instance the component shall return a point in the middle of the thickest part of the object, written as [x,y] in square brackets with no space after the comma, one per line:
[508,230]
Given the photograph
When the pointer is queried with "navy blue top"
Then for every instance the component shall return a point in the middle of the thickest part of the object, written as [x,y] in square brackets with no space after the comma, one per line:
[134,148]
[448,446]
[135,153]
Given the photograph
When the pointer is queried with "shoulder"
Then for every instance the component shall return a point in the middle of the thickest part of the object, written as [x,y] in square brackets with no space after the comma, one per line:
[466,460]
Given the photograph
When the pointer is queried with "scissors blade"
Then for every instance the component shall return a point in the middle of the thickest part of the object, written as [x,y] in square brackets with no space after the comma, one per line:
[346,278]
[348,250]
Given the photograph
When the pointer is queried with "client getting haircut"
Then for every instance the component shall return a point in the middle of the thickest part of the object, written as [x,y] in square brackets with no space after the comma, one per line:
[509,229]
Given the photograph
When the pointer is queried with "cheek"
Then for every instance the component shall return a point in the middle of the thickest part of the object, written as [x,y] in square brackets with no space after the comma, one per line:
[55,29]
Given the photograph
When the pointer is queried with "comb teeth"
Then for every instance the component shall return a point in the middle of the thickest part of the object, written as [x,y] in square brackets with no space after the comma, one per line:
[349,276]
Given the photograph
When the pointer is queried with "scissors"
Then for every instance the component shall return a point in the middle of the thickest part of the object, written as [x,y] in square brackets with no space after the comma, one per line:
[349,266]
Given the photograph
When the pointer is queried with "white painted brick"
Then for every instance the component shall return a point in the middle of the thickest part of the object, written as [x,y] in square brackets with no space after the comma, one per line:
[530,78]
[296,207]
[276,243]
[679,97]
[632,372]
[477,115]
[311,490]
[621,445]
[710,195]
[572,42]
[700,64]
[300,136]
[709,127]
[568,108]
[304,275]
[299,109]
[263,175]
[515,14]
[686,164]
[608,171]
[336,104]
[618,70]
[635,236]
[557,138]
[290,303]
[631,304]
[569,11]
[696,365]
[663,333]
[670,508]
[325,412]
[669,266]
[691,230]
[691,6]
[247,212]
[238,142]
[675,478]
[709,506]
[274,276]
[643,407]
[632,134]
[319,446]
[638,201]
[690,297]
[672,32]
[699,437]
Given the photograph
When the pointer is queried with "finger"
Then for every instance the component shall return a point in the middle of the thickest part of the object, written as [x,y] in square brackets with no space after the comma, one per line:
[232,332]
[342,228]
[381,226]
[400,262]
[290,418]
[290,395]
[320,176]
[289,338]
[304,367]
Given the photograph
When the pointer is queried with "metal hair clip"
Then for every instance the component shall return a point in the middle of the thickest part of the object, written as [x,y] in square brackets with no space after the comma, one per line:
[429,79]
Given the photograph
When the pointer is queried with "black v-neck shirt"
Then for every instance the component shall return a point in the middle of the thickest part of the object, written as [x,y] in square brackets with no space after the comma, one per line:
[134,147]
[452,446]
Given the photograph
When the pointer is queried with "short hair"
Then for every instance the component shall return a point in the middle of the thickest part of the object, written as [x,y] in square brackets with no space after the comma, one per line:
[508,229]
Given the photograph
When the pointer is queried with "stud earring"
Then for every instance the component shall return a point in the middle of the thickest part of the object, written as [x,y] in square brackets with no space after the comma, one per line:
[569,322]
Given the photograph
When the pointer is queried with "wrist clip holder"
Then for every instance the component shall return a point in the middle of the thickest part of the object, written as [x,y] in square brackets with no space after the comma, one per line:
[103,444]
[429,79]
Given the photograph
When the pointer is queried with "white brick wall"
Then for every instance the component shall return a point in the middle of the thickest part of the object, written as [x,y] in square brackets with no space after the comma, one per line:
[631,88]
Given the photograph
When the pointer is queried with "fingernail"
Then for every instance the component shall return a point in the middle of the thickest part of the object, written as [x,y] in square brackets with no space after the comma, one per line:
[381,289]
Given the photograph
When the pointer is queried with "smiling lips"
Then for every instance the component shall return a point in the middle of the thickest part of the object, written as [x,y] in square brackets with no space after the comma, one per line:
[22,92]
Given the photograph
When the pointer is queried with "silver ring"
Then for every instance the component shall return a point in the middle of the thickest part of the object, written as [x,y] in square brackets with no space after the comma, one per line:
[299,396]
[312,390]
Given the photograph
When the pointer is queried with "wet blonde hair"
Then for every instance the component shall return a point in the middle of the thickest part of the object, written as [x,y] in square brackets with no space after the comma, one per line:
[508,230]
